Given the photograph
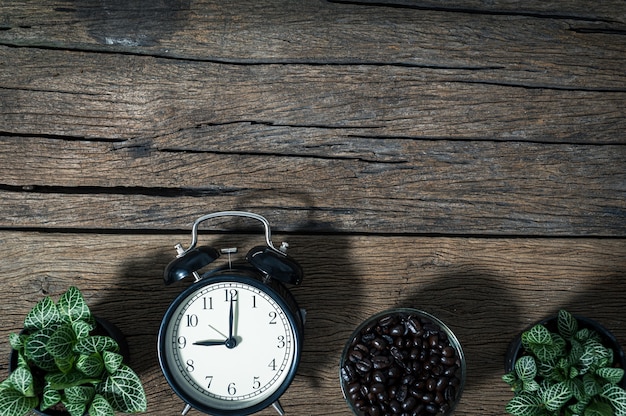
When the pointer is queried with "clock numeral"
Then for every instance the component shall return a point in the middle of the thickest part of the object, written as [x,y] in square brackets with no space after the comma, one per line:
[273,318]
[192,320]
[281,341]
[208,303]
[256,383]
[190,366]
[231,389]
[210,380]
[254,301]
[272,364]
[182,342]
[231,294]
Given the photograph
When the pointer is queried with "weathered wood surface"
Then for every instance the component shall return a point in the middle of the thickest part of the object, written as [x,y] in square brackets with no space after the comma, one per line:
[467,157]
[487,290]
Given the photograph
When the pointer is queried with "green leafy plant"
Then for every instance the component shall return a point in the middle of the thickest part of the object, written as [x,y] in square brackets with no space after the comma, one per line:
[62,363]
[569,372]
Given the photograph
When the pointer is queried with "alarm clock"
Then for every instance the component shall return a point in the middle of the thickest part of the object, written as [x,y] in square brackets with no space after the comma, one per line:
[231,342]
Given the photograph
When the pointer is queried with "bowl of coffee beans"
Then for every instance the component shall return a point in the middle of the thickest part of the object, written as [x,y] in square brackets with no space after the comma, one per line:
[402,362]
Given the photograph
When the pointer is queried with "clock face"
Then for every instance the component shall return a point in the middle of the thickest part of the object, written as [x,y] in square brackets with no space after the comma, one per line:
[229,344]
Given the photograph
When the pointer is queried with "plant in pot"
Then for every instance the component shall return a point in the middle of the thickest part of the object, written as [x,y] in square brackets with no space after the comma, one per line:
[65,363]
[566,368]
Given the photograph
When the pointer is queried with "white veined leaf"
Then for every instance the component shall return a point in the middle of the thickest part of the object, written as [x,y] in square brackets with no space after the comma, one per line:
[49,398]
[17,341]
[617,397]
[611,374]
[73,306]
[36,351]
[22,380]
[591,385]
[43,315]
[537,335]
[60,381]
[75,408]
[509,378]
[112,361]
[524,405]
[12,403]
[82,329]
[555,396]
[90,365]
[79,394]
[567,324]
[526,368]
[96,343]
[61,342]
[123,390]
[100,407]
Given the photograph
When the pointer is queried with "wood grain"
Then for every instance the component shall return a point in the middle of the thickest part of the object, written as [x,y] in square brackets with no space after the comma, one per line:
[559,44]
[486,290]
[119,96]
[400,186]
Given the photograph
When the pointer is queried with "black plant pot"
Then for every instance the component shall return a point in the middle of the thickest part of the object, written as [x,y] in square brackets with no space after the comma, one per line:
[515,349]
[103,327]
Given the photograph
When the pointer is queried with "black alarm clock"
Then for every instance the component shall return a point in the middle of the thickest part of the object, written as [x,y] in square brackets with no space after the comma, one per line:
[230,343]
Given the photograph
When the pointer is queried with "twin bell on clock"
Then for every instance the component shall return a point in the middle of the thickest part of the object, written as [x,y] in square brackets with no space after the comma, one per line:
[231,342]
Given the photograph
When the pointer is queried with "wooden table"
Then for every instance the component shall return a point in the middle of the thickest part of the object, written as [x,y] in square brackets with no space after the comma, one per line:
[464,157]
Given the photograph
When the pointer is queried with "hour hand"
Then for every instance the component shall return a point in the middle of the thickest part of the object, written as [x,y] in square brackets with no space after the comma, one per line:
[209,342]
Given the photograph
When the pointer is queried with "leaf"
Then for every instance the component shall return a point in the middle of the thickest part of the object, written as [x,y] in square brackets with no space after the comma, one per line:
[100,407]
[82,329]
[12,403]
[17,341]
[617,397]
[509,378]
[525,368]
[96,343]
[90,365]
[112,361]
[123,390]
[524,405]
[36,351]
[567,324]
[60,381]
[598,408]
[22,380]
[555,396]
[79,394]
[75,409]
[43,315]
[73,306]
[610,374]
[50,397]
[61,342]
[537,335]
[591,385]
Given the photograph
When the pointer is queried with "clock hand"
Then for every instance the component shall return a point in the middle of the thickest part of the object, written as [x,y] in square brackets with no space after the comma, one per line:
[210,342]
[231,342]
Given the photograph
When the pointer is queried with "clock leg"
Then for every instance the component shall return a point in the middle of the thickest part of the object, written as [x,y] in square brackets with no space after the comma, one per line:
[186,409]
[278,408]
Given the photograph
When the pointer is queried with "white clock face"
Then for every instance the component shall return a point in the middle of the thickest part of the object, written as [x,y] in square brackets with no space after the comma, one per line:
[229,345]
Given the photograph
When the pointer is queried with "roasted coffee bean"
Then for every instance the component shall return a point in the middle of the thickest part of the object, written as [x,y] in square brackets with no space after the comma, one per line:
[379,343]
[381,362]
[364,365]
[409,404]
[379,377]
